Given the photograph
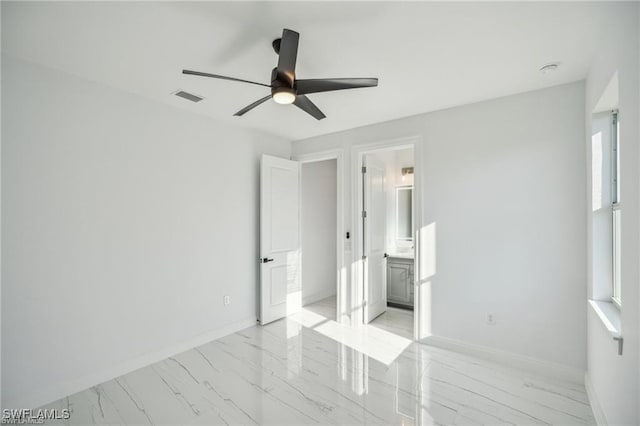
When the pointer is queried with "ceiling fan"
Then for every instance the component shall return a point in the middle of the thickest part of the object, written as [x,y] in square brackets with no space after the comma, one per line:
[285,88]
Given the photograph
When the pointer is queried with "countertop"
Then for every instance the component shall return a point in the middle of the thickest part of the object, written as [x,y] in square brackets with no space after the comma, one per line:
[401,255]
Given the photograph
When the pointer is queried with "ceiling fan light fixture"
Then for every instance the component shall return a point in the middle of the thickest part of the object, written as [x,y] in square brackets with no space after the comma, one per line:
[283,95]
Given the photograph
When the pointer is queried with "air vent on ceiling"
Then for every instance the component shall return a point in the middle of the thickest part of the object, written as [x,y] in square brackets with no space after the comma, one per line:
[188,96]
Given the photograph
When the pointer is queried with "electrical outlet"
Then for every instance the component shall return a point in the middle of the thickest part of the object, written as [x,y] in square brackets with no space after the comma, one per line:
[491,318]
[226,300]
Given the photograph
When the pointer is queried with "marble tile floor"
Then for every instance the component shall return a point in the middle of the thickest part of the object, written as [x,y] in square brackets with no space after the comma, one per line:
[286,373]
[395,320]
[325,307]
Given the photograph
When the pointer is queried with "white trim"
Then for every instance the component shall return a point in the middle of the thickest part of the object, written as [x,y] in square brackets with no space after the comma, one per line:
[312,157]
[508,359]
[357,153]
[341,279]
[39,397]
[609,315]
[596,408]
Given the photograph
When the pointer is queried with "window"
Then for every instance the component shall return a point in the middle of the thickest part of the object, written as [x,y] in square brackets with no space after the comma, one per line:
[616,212]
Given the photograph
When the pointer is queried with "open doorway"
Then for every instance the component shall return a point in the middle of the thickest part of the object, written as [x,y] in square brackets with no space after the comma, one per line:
[318,201]
[321,229]
[387,241]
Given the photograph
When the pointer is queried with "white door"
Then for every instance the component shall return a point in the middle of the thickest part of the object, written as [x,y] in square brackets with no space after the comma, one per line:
[375,231]
[280,291]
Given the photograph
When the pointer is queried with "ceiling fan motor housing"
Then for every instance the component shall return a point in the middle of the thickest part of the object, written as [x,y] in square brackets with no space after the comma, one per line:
[282,80]
[276,45]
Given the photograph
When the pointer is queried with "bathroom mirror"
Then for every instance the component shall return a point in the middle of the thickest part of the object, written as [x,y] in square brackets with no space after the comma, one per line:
[404,213]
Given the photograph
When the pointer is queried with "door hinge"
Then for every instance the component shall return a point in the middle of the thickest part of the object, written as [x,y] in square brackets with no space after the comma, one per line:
[364,169]
[364,213]
[364,257]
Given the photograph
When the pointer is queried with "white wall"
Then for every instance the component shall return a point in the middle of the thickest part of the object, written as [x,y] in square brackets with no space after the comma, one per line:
[319,195]
[615,378]
[124,223]
[503,183]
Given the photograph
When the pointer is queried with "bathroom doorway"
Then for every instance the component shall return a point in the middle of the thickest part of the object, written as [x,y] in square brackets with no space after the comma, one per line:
[387,206]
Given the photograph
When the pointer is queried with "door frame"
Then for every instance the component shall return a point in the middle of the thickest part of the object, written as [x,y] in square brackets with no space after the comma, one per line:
[341,276]
[357,155]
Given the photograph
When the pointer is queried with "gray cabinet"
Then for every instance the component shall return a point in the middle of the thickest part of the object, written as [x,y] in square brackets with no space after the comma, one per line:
[400,281]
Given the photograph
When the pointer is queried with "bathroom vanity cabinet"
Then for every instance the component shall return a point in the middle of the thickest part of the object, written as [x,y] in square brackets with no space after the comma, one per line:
[400,281]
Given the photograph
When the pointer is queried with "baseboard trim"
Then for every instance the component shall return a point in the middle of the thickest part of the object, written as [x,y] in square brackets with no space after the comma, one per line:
[596,408]
[39,397]
[509,359]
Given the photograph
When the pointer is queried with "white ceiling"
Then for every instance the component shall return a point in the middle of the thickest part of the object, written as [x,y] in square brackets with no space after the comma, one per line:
[428,56]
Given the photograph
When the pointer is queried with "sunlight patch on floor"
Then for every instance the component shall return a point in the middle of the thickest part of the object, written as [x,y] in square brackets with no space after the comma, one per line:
[379,344]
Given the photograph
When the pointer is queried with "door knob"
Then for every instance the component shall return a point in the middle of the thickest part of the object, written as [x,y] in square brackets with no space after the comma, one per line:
[386,255]
[265,260]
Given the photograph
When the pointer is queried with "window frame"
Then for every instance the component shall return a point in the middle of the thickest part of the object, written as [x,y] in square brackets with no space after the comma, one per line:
[616,211]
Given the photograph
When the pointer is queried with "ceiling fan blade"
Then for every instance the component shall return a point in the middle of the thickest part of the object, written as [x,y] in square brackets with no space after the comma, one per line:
[287,57]
[309,107]
[252,106]
[317,85]
[222,77]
